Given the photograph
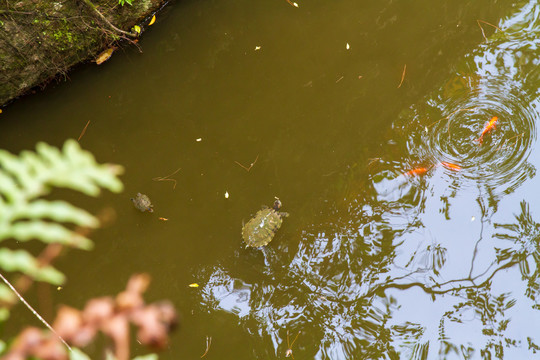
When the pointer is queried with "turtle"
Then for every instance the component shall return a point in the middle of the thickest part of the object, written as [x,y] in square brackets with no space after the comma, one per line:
[142,202]
[260,230]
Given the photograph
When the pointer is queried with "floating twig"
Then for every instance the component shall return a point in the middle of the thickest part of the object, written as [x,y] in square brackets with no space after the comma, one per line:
[208,343]
[83,131]
[505,145]
[402,75]
[250,166]
[482,29]
[371,161]
[448,118]
[292,3]
[289,346]
[166,178]
[338,80]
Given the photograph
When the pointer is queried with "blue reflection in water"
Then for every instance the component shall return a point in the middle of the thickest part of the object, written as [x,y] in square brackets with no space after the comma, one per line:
[392,277]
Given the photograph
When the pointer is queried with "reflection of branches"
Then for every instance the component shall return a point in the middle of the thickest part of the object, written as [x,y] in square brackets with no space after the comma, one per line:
[475,252]
[526,233]
[436,289]
[341,302]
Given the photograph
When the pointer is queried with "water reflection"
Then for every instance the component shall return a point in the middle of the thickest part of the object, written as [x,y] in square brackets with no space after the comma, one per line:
[343,288]
[321,292]
[500,161]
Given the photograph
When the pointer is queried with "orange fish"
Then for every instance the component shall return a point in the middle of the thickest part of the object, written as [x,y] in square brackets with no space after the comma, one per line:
[490,125]
[416,172]
[450,166]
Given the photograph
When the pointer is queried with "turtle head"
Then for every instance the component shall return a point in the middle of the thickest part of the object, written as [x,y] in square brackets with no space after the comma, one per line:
[277,204]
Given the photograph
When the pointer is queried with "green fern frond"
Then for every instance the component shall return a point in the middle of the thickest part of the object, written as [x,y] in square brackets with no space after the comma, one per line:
[34,174]
[6,296]
[22,261]
[48,233]
[24,216]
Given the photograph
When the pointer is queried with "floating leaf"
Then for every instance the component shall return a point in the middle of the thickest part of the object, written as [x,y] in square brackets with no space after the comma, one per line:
[137,29]
[194,285]
[105,55]
[152,21]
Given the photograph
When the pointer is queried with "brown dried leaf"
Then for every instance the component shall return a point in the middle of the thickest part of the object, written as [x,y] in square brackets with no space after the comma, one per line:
[105,55]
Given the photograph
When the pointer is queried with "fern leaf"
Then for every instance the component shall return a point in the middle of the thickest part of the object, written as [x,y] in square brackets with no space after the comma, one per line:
[6,295]
[24,216]
[76,354]
[46,232]
[59,211]
[9,188]
[33,174]
[22,261]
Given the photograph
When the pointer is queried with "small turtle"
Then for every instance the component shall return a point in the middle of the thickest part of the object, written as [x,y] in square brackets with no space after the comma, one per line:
[142,202]
[260,230]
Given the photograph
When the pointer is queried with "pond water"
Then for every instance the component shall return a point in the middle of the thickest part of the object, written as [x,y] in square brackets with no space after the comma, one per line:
[408,238]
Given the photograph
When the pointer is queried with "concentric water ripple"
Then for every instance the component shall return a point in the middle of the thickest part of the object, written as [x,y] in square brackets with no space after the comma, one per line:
[499,162]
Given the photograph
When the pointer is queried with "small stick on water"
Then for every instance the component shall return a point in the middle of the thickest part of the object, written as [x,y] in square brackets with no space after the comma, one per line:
[36,314]
[448,117]
[482,29]
[166,178]
[292,3]
[402,76]
[289,350]
[505,145]
[83,131]
[371,161]
[208,343]
[250,166]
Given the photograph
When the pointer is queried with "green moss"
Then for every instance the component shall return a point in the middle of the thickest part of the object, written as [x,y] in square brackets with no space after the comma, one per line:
[55,36]
[66,39]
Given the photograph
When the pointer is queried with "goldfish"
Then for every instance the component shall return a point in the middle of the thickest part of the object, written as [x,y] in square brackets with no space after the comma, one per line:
[450,166]
[490,125]
[416,172]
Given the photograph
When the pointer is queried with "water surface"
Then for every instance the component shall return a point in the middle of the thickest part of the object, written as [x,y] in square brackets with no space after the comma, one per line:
[372,263]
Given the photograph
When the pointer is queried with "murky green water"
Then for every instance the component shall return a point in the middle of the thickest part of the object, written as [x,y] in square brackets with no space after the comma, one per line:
[372,263]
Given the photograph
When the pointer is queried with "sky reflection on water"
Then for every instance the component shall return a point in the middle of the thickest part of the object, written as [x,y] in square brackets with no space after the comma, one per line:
[394,277]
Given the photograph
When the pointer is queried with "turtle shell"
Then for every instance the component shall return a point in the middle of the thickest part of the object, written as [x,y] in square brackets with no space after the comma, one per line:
[142,202]
[260,230]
